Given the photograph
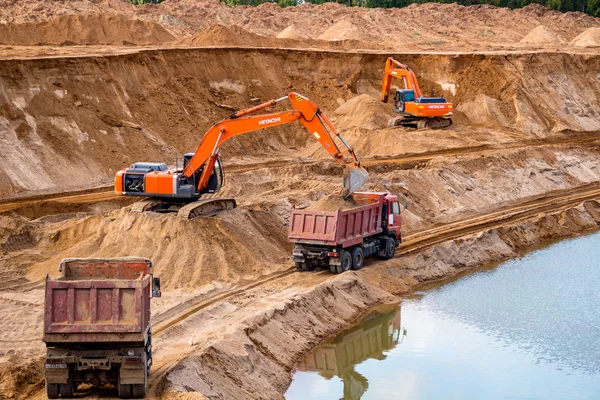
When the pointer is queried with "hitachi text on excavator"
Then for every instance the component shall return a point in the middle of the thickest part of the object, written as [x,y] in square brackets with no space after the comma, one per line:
[415,110]
[181,190]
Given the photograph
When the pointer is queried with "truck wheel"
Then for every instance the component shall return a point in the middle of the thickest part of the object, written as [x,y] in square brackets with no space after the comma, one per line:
[333,269]
[390,248]
[139,391]
[124,391]
[52,390]
[346,262]
[358,258]
[66,389]
[304,266]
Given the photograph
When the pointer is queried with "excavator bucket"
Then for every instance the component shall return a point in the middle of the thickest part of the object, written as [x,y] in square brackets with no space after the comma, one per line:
[354,178]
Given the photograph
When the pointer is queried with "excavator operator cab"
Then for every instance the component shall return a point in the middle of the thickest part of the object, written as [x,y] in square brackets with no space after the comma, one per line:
[401,96]
[216,179]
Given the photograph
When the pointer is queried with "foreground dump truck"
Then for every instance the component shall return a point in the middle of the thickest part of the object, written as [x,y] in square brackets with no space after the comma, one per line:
[97,325]
[341,239]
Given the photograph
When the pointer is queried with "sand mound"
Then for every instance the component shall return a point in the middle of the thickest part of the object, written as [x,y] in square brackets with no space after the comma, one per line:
[229,36]
[292,32]
[343,30]
[363,111]
[333,202]
[228,247]
[484,110]
[588,38]
[542,34]
[108,29]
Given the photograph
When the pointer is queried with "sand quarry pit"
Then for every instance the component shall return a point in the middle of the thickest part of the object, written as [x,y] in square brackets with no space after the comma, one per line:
[92,92]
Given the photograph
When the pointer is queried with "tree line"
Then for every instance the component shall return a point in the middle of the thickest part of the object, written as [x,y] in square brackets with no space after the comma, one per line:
[591,7]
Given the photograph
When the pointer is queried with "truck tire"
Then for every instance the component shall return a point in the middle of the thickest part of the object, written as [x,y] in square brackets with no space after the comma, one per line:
[52,390]
[333,269]
[389,250]
[66,389]
[139,391]
[358,258]
[124,391]
[345,262]
[303,266]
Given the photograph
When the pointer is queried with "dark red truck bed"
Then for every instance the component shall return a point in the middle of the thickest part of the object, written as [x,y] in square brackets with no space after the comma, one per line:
[342,227]
[96,300]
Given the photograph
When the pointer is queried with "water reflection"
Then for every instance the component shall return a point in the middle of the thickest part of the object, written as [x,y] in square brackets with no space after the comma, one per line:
[379,332]
[527,329]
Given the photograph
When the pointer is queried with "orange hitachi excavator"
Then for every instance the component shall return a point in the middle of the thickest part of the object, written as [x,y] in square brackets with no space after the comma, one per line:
[416,111]
[180,190]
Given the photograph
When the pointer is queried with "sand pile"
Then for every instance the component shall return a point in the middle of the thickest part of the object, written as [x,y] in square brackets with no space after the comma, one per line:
[543,35]
[432,24]
[234,245]
[484,110]
[588,38]
[292,32]
[343,30]
[108,29]
[363,111]
[333,202]
[228,36]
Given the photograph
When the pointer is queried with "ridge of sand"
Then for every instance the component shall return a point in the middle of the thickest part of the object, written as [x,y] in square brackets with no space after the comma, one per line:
[343,30]
[542,34]
[588,38]
[292,32]
[85,29]
[232,35]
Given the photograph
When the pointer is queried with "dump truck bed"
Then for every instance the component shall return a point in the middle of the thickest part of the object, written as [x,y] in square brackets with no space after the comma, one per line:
[97,300]
[341,227]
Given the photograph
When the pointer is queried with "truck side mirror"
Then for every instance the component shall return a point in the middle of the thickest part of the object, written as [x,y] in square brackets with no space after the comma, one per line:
[156,287]
[405,205]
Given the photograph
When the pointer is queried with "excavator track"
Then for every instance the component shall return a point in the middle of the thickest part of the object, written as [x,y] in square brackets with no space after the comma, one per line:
[206,208]
[201,208]
[420,123]
[145,205]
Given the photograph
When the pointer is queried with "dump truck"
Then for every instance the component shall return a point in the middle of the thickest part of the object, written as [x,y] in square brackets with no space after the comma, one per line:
[97,325]
[342,239]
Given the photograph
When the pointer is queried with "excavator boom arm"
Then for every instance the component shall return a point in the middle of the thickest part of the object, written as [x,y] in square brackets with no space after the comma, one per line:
[241,122]
[396,69]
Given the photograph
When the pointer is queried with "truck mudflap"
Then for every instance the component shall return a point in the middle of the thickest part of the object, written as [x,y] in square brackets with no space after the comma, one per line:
[57,371]
[133,371]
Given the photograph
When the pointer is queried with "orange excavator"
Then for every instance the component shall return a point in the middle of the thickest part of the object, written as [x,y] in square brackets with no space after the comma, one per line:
[180,190]
[416,111]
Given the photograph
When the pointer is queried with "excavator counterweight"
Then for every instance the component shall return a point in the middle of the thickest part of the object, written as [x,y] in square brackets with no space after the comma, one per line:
[189,190]
[416,111]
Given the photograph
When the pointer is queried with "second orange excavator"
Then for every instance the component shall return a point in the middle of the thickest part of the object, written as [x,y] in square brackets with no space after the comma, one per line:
[416,111]
[181,190]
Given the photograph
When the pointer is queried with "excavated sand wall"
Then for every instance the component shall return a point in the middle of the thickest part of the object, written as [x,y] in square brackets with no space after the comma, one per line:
[75,121]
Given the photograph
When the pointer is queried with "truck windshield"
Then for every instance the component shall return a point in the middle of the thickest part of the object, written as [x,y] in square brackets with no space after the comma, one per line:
[395,208]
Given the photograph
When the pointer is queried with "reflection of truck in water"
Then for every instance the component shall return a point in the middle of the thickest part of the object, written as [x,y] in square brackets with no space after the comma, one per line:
[378,333]
[97,325]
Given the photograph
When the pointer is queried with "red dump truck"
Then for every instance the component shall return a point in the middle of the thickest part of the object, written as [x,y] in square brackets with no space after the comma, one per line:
[97,325]
[341,239]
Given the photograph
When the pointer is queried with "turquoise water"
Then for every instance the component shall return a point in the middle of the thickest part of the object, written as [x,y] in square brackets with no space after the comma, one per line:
[527,329]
